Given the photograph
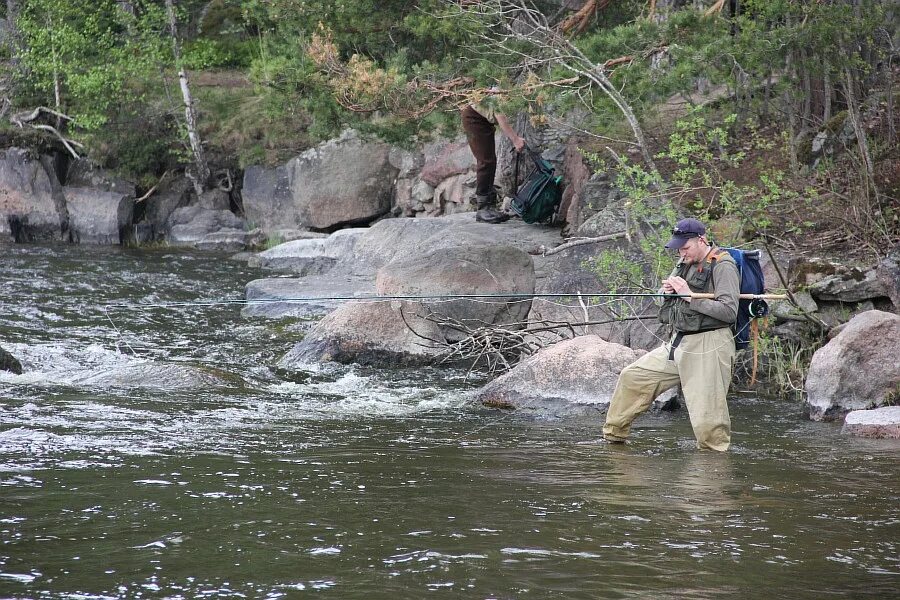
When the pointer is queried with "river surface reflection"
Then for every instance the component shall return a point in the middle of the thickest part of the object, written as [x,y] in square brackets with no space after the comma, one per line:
[156,453]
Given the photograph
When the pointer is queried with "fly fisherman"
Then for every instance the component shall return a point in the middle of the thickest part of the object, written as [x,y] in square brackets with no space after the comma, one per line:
[700,355]
[478,121]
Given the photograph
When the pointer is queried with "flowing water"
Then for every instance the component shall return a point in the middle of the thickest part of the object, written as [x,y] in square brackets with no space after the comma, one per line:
[155,452]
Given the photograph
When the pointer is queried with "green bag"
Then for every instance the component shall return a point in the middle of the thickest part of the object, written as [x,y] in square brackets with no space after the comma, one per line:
[537,201]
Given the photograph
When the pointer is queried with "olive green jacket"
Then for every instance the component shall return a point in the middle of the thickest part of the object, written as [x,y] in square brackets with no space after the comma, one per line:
[721,279]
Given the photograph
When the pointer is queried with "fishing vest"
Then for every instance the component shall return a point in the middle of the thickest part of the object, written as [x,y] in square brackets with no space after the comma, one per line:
[678,312]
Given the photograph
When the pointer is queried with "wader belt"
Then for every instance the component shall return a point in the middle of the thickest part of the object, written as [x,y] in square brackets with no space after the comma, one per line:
[676,341]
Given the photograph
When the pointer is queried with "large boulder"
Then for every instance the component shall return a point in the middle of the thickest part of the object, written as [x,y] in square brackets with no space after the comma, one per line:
[342,182]
[10,363]
[370,333]
[857,369]
[402,239]
[314,254]
[97,216]
[570,376]
[31,198]
[302,298]
[477,269]
[881,422]
[188,225]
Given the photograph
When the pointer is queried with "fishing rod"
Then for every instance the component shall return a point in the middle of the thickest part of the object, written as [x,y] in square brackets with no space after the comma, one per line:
[498,296]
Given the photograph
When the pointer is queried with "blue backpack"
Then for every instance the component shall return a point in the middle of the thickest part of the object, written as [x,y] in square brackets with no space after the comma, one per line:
[752,282]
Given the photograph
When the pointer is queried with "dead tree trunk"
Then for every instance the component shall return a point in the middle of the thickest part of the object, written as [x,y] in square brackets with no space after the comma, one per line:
[200,176]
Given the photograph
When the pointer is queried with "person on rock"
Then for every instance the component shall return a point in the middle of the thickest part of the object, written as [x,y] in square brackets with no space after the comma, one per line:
[478,121]
[700,355]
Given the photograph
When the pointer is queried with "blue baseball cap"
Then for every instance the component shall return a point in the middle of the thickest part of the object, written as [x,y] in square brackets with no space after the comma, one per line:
[684,230]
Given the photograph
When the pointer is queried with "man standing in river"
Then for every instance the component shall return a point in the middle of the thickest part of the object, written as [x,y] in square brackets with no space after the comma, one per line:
[700,354]
[478,122]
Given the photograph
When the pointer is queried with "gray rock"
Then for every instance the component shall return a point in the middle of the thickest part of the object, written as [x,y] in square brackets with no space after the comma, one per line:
[371,333]
[98,217]
[289,235]
[403,238]
[214,200]
[422,192]
[302,257]
[888,274]
[405,162]
[852,286]
[786,311]
[270,298]
[857,369]
[229,240]
[338,183]
[484,269]
[10,363]
[569,376]
[876,423]
[607,221]
[31,198]
[190,224]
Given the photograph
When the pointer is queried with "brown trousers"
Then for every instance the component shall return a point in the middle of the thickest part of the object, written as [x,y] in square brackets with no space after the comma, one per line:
[480,135]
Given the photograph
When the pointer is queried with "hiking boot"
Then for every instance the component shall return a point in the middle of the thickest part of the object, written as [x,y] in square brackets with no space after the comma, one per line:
[491,215]
[488,211]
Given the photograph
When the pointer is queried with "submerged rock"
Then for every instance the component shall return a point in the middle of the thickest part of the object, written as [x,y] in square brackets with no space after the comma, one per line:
[570,376]
[10,363]
[876,423]
[149,375]
[857,369]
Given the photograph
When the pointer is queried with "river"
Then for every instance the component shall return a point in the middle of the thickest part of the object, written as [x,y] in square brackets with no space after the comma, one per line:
[154,452]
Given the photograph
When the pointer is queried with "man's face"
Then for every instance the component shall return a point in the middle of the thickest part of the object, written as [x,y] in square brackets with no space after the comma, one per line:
[693,251]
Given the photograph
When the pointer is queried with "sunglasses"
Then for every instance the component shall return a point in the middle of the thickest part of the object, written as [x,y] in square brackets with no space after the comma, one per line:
[682,233]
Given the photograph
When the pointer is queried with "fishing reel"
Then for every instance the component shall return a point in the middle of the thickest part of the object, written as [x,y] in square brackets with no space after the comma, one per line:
[758,308]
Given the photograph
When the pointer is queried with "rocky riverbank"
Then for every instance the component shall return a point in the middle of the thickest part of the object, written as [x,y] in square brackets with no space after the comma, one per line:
[358,218]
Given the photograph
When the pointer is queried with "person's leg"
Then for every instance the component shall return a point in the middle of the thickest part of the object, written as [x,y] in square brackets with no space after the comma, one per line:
[705,361]
[480,135]
[639,383]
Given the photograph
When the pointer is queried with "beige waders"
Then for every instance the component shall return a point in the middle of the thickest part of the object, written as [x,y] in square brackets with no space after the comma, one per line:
[702,364]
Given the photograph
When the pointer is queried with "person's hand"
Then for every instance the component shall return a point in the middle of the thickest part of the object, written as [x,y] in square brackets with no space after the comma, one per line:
[519,144]
[678,285]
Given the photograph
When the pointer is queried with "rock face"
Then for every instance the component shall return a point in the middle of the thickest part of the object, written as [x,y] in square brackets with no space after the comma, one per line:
[571,375]
[369,333]
[341,182]
[888,274]
[8,362]
[876,423]
[96,216]
[464,270]
[158,208]
[857,369]
[190,224]
[853,286]
[31,200]
[443,160]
